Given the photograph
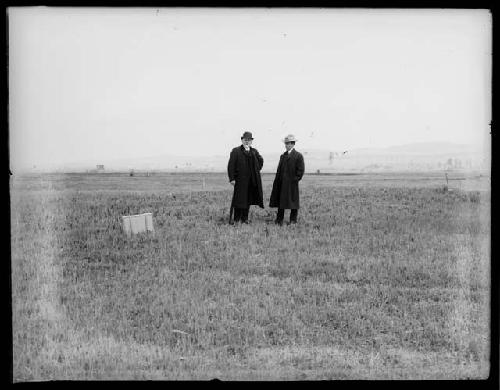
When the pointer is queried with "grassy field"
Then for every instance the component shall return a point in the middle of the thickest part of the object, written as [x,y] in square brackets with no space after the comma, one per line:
[386,276]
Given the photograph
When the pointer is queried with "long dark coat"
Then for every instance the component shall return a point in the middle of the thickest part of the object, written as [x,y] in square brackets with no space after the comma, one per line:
[285,193]
[245,170]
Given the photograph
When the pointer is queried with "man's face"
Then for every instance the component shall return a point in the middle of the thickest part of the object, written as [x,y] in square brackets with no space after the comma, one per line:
[288,146]
[246,141]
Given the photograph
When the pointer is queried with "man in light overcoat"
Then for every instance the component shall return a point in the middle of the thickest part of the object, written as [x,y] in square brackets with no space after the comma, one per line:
[285,193]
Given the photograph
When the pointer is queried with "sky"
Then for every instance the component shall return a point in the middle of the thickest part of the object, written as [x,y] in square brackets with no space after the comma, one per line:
[96,84]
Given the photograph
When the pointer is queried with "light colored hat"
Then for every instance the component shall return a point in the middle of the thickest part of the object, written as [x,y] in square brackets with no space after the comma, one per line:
[290,138]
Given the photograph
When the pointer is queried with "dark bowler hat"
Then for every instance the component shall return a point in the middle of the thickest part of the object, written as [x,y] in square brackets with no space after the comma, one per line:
[247,135]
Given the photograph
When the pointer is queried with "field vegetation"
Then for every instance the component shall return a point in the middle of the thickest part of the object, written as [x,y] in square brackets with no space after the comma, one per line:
[384,277]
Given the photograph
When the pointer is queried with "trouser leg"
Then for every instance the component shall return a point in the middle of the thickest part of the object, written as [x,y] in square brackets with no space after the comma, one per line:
[237,214]
[244,214]
[293,215]
[280,215]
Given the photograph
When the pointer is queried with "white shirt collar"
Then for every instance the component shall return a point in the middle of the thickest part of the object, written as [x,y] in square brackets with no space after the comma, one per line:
[290,151]
[247,148]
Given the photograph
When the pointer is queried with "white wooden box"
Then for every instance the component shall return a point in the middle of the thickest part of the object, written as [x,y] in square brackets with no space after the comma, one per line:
[139,223]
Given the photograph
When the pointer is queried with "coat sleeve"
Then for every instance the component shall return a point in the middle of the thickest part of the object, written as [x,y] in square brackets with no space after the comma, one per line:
[278,170]
[260,160]
[299,171]
[231,166]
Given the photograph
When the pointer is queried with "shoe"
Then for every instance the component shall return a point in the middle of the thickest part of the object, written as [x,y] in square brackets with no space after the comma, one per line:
[278,222]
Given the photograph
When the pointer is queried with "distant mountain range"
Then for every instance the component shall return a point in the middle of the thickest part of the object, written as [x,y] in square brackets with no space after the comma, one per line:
[415,157]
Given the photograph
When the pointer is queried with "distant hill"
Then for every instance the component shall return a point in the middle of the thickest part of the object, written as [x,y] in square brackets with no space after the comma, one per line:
[411,157]
[416,157]
[424,148]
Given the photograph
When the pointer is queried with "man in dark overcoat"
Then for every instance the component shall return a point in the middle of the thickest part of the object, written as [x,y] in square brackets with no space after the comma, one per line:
[243,170]
[285,193]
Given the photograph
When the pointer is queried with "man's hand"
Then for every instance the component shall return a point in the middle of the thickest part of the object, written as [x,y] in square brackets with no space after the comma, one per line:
[232,183]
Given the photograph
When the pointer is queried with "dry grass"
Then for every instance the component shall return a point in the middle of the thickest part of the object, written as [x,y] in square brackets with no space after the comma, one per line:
[376,282]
